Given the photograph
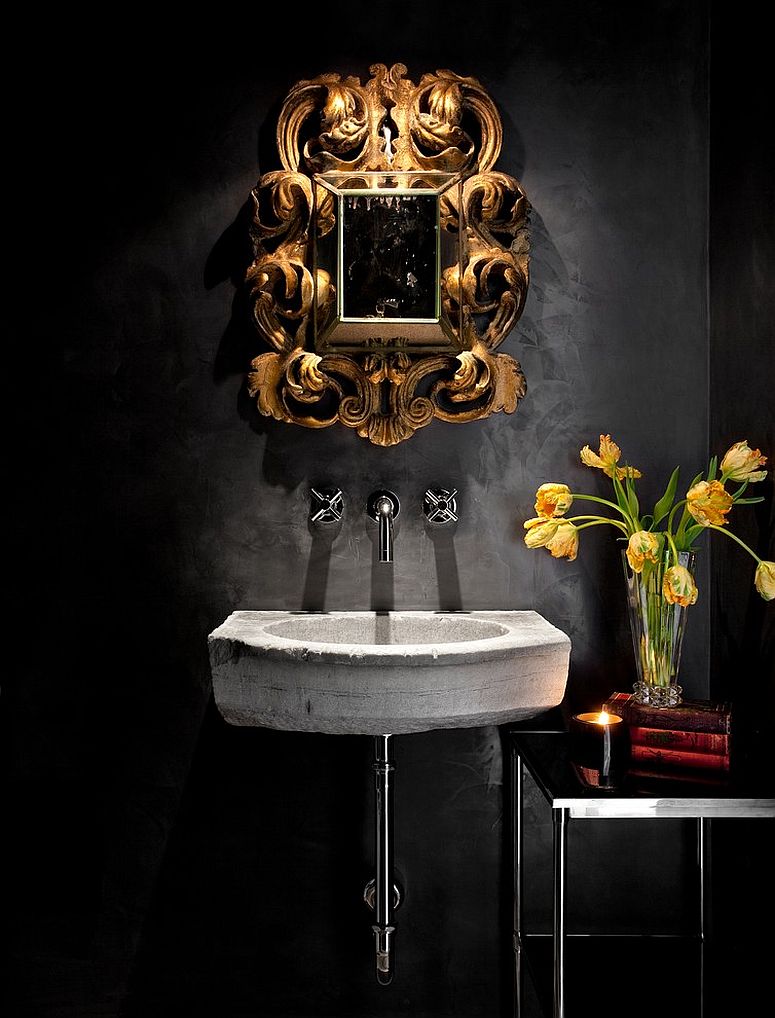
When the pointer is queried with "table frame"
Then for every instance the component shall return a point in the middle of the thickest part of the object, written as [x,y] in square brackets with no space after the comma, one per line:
[703,810]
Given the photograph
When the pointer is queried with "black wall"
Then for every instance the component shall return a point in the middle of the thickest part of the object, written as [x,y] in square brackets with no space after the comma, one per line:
[153,501]
[742,357]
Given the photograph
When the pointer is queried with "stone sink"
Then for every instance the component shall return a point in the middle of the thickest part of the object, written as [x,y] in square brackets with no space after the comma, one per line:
[377,673]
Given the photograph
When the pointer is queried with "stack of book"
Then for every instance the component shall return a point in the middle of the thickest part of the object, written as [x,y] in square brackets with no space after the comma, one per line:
[694,735]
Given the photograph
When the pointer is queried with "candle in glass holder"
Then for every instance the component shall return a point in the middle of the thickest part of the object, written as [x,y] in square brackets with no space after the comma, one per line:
[599,747]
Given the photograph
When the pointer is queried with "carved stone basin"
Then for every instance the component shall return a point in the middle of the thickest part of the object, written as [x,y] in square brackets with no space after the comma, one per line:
[376,673]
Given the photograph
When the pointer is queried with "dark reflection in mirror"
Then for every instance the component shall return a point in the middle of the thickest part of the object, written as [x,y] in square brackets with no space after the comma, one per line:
[390,256]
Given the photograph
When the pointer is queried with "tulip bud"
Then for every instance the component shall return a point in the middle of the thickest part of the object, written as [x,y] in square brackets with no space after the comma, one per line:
[539,531]
[642,546]
[565,543]
[709,503]
[553,500]
[764,580]
[678,586]
[742,464]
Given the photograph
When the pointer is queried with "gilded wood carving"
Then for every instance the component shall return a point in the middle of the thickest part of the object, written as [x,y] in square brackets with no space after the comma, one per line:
[445,123]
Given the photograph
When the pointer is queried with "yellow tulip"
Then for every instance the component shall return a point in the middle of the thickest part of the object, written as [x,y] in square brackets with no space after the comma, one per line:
[606,459]
[539,531]
[709,503]
[565,543]
[678,586]
[741,463]
[642,547]
[764,580]
[553,500]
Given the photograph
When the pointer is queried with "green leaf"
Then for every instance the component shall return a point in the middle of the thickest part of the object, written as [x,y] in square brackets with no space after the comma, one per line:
[632,498]
[647,521]
[691,532]
[749,501]
[740,491]
[685,515]
[663,506]
[712,469]
[621,498]
[696,480]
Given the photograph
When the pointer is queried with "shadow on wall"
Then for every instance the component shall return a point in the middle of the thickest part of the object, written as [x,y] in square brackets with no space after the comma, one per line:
[479,459]
[161,512]
[295,459]
[230,259]
[382,573]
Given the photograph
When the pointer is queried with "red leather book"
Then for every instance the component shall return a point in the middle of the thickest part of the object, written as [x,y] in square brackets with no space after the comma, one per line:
[653,756]
[688,716]
[671,738]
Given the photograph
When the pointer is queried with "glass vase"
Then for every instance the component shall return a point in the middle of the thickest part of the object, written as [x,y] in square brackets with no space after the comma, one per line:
[657,631]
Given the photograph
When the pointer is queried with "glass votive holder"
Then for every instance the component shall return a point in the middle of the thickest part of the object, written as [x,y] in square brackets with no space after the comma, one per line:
[599,748]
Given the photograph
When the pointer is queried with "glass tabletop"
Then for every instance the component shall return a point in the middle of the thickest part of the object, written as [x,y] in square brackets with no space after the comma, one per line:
[747,791]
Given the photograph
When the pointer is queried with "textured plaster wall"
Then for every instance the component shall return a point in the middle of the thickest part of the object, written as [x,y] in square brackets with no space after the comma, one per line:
[164,502]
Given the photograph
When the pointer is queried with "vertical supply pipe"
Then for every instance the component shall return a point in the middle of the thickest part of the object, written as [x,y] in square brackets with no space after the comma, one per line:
[383,927]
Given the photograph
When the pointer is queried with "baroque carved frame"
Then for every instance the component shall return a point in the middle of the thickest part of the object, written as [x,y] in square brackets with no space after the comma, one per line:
[447,123]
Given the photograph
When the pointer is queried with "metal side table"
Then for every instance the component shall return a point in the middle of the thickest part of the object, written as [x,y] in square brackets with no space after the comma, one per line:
[545,755]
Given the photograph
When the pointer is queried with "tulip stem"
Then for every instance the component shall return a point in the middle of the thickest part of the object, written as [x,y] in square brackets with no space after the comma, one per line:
[603,501]
[734,537]
[598,521]
[673,548]
[601,519]
[672,513]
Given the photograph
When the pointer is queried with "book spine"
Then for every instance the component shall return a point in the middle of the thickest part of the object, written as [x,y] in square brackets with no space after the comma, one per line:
[651,756]
[687,718]
[671,738]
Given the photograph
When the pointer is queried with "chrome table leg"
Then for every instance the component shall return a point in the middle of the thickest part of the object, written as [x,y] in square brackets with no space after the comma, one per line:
[560,819]
[703,864]
[517,876]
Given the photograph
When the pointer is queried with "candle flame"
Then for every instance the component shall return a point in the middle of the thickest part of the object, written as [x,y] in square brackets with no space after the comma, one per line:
[601,718]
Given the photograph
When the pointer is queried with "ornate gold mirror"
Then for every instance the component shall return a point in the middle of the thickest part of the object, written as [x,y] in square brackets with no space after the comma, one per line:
[390,259]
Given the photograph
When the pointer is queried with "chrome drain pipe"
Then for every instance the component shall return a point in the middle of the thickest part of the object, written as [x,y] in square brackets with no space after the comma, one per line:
[384,893]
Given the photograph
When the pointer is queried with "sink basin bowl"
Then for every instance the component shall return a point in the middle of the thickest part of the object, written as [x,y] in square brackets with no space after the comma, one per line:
[386,672]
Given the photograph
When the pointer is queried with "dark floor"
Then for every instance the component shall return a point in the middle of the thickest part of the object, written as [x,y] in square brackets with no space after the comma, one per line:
[231,925]
[631,976]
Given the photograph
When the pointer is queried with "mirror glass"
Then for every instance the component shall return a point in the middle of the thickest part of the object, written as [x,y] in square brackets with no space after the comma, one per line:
[390,252]
[383,245]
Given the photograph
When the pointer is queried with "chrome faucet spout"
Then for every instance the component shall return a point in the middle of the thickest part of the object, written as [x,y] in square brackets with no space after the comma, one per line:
[383,506]
[385,510]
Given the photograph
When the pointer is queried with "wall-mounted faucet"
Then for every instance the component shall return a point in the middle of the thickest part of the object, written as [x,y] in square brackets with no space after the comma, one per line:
[384,507]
